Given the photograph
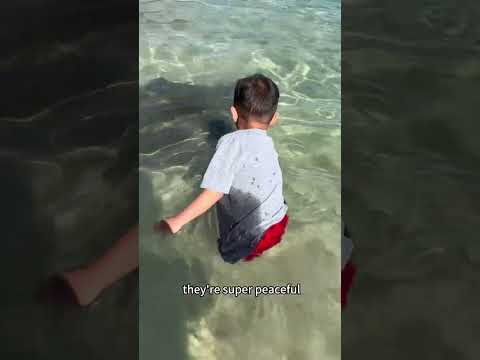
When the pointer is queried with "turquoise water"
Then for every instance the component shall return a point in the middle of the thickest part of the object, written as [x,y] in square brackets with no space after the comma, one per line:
[191,53]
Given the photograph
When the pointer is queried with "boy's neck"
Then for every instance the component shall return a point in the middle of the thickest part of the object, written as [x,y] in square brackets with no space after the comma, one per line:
[251,124]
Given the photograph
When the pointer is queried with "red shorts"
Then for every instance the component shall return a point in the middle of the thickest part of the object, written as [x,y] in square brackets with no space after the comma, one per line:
[348,273]
[271,237]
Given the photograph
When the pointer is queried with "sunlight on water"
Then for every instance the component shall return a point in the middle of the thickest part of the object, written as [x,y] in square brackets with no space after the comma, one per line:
[191,53]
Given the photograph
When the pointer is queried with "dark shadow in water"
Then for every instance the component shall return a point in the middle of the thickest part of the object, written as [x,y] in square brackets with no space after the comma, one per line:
[174,113]
[217,128]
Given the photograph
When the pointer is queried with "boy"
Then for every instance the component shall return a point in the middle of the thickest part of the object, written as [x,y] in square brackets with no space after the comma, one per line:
[244,178]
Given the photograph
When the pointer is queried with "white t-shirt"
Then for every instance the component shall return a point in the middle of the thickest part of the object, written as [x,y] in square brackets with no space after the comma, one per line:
[245,168]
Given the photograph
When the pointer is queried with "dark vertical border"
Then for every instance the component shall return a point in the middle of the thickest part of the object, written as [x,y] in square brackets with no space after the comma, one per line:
[68,172]
[410,174]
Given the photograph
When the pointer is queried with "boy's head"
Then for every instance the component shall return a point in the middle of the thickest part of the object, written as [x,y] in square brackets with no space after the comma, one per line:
[255,102]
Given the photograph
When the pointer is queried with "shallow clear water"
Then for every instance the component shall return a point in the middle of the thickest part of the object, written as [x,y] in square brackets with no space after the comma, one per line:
[191,53]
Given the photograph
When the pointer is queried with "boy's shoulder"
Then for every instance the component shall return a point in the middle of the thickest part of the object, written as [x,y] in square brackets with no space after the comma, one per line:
[245,140]
[237,137]
[228,140]
[243,135]
[228,137]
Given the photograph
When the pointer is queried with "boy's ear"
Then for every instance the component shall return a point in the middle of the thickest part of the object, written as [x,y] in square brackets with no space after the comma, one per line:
[275,119]
[234,113]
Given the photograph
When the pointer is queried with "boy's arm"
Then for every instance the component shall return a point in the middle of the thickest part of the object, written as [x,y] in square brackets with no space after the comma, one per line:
[197,207]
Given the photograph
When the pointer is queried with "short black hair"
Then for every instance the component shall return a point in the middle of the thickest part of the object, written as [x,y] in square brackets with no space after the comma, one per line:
[256,95]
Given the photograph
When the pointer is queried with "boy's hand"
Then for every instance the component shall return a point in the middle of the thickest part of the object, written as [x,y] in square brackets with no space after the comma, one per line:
[197,207]
[167,225]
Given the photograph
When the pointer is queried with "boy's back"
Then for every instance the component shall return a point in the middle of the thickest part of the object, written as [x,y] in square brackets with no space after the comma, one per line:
[244,178]
[245,168]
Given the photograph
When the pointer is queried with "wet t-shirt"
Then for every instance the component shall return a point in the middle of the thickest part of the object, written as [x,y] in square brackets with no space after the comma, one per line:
[245,168]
